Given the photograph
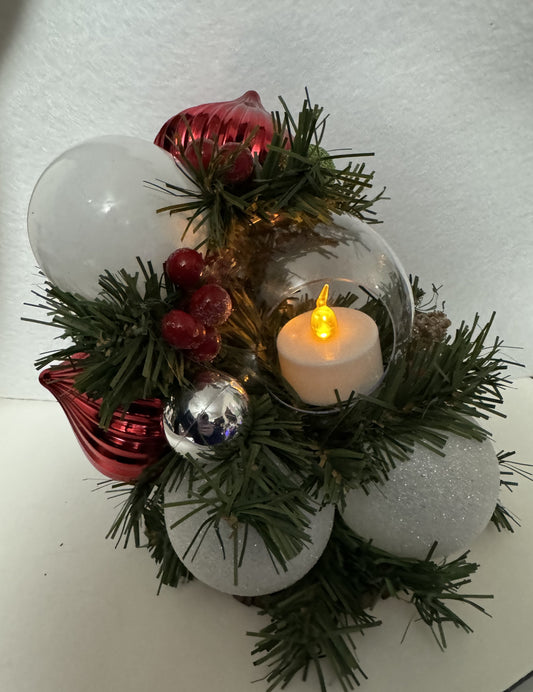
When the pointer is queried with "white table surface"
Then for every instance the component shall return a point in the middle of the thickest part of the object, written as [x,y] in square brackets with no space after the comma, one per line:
[78,615]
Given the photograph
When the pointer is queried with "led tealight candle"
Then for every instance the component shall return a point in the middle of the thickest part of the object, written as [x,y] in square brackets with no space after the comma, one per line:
[324,350]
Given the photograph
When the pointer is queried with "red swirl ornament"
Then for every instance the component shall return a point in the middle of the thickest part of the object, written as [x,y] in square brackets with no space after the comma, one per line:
[133,441]
[225,121]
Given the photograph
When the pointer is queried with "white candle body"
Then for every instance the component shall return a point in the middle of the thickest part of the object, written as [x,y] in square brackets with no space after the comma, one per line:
[349,361]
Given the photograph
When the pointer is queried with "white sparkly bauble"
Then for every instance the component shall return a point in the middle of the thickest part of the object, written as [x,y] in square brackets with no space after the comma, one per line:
[429,498]
[211,557]
[92,210]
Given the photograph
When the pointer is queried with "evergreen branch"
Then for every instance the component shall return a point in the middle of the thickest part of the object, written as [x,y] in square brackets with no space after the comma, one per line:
[315,619]
[428,585]
[426,396]
[171,569]
[312,621]
[509,467]
[147,490]
[126,356]
[431,588]
[256,480]
[142,513]
[297,179]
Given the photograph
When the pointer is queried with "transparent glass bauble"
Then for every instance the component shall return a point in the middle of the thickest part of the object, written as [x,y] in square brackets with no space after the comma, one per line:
[353,259]
[94,209]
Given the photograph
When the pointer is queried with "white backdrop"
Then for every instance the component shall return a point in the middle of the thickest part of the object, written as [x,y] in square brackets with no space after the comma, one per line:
[442,92]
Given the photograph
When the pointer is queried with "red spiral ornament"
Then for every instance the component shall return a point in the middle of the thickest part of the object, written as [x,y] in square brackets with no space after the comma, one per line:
[134,440]
[225,121]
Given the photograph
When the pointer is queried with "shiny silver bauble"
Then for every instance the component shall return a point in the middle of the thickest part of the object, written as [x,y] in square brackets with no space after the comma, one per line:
[211,413]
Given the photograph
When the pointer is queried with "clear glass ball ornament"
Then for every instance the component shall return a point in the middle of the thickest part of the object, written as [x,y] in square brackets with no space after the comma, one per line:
[206,415]
[210,553]
[448,499]
[93,209]
[353,259]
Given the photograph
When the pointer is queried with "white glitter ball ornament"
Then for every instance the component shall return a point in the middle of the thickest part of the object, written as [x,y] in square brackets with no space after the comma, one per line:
[430,498]
[211,557]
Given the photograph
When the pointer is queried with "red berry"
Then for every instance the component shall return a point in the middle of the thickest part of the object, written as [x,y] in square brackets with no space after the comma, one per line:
[210,305]
[208,348]
[240,166]
[204,147]
[184,267]
[181,330]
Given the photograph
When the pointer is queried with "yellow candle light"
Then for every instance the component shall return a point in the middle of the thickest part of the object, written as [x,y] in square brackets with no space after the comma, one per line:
[324,350]
[323,319]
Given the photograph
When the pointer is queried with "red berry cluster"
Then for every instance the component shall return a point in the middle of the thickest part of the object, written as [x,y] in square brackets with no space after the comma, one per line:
[193,327]
[236,164]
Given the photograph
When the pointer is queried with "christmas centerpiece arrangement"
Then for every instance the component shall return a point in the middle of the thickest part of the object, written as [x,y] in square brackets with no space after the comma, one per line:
[289,418]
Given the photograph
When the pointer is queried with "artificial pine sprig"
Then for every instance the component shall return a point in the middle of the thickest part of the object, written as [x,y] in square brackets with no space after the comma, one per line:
[141,516]
[316,620]
[297,179]
[119,333]
[256,480]
[429,394]
[432,588]
[147,490]
[171,571]
[503,519]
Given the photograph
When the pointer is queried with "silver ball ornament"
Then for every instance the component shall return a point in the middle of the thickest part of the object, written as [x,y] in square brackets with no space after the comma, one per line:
[448,499]
[211,413]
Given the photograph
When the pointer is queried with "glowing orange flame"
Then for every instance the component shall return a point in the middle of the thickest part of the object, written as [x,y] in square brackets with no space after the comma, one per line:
[323,320]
